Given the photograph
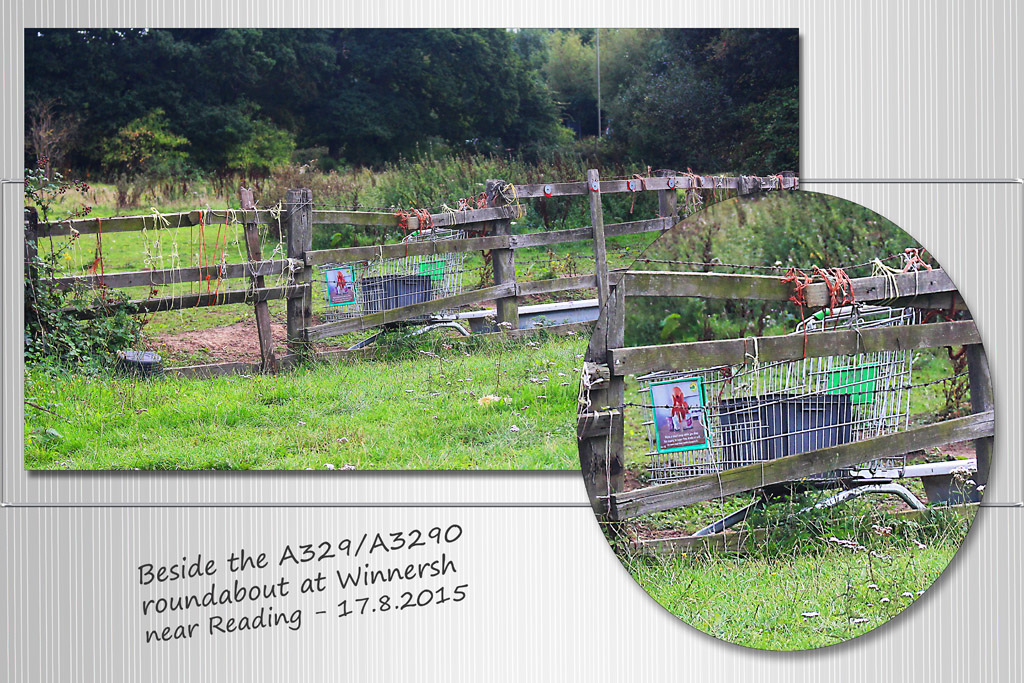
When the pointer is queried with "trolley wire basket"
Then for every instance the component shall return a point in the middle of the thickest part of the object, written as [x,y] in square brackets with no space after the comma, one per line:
[352,290]
[716,419]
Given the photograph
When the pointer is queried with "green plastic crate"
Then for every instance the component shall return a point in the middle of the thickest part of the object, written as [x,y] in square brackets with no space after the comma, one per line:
[858,381]
[435,269]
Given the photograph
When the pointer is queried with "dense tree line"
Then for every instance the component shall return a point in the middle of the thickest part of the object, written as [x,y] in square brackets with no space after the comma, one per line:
[225,101]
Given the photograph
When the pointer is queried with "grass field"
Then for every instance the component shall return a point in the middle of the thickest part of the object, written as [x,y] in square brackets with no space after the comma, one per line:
[418,412]
[367,414]
[811,596]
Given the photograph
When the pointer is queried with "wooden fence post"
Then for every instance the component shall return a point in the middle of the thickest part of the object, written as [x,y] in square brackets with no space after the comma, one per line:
[31,242]
[597,221]
[982,399]
[268,361]
[503,260]
[668,205]
[602,457]
[297,215]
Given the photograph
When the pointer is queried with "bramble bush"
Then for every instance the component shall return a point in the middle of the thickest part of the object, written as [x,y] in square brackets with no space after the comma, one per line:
[56,335]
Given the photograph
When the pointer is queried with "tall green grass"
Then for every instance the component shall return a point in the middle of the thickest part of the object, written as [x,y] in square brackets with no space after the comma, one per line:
[847,574]
[416,412]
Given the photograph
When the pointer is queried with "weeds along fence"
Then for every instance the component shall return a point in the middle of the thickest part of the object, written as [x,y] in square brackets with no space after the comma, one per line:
[412,280]
[842,363]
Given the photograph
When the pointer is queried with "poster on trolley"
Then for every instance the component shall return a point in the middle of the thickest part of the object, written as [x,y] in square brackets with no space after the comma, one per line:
[680,419]
[341,289]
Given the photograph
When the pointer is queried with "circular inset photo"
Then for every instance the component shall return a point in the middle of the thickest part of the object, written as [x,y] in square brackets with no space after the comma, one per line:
[785,420]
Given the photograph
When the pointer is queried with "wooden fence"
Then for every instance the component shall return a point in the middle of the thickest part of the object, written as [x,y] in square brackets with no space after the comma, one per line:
[600,430]
[297,216]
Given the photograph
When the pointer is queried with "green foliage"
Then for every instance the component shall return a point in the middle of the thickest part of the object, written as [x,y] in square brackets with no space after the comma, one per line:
[793,524]
[771,232]
[812,229]
[145,144]
[142,153]
[267,148]
[716,100]
[709,99]
[44,191]
[54,335]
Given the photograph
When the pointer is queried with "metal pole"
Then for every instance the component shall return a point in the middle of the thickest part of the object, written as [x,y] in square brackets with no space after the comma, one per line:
[597,33]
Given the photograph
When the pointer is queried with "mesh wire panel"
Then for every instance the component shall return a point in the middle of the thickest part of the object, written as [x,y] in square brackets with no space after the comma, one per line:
[352,290]
[757,412]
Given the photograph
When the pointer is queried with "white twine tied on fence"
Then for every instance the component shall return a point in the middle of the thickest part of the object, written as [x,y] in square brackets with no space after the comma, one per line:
[159,221]
[279,248]
[586,382]
[892,289]
[451,213]
[510,195]
[755,357]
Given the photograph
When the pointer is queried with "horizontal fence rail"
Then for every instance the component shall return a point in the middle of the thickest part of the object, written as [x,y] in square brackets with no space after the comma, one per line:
[471,297]
[601,426]
[198,300]
[622,506]
[693,355]
[491,230]
[901,287]
[270,216]
[171,276]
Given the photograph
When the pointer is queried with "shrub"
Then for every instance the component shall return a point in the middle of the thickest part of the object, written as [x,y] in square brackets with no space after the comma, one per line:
[56,331]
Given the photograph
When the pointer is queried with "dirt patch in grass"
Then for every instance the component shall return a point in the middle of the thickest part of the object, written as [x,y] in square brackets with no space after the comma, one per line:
[229,343]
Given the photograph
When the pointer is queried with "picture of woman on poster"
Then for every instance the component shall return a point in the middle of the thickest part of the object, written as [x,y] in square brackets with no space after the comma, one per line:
[680,409]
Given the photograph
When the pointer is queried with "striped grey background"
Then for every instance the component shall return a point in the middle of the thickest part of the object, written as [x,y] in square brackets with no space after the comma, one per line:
[889,90]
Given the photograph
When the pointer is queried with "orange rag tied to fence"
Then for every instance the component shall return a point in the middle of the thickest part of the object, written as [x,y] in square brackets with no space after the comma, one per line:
[800,281]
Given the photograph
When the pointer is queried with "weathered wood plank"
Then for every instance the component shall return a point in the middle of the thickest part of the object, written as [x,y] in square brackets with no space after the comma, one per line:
[590,425]
[540,239]
[908,286]
[600,249]
[602,463]
[297,219]
[868,289]
[559,284]
[503,261]
[402,313]
[795,467]
[268,361]
[683,182]
[709,354]
[370,253]
[982,400]
[706,285]
[90,226]
[168,276]
[196,300]
[487,243]
[668,201]
[175,219]
[358,218]
[440,220]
